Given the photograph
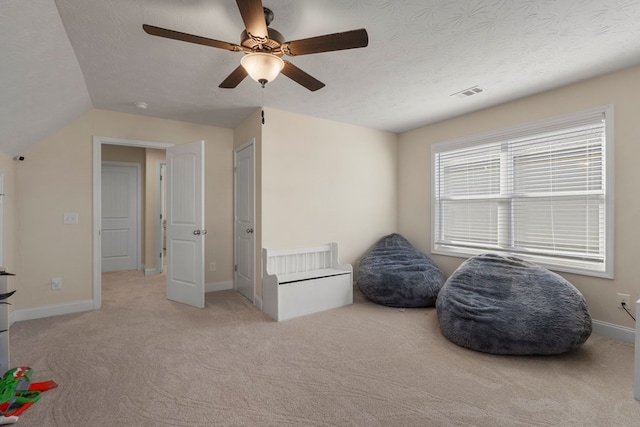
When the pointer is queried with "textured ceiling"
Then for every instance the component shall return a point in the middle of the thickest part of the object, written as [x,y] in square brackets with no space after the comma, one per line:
[59,59]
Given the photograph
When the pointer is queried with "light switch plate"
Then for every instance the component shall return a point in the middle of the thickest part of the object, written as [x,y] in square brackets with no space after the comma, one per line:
[70,218]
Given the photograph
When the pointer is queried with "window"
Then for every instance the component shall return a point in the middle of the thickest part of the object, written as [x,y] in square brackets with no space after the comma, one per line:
[542,192]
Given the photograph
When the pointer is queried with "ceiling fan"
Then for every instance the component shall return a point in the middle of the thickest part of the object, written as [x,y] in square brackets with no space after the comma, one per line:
[264,47]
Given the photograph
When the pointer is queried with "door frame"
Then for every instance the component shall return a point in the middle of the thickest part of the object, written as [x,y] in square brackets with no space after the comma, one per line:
[249,144]
[97,203]
[138,169]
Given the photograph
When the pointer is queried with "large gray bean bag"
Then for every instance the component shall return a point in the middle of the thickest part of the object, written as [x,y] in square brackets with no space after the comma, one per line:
[505,305]
[394,273]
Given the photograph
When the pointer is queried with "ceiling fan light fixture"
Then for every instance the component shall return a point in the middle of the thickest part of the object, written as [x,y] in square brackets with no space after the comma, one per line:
[262,67]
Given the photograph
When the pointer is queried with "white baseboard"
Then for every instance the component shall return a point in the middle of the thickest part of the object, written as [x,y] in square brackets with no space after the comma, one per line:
[257,302]
[20,314]
[614,331]
[218,286]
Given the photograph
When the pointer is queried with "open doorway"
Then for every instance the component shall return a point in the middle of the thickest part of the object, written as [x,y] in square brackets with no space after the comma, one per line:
[98,143]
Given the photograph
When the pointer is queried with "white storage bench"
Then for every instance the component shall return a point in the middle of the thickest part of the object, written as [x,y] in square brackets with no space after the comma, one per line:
[302,281]
[636,363]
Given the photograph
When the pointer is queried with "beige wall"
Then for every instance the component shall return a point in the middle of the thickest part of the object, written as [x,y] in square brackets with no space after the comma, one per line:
[319,181]
[56,177]
[616,89]
[123,153]
[324,181]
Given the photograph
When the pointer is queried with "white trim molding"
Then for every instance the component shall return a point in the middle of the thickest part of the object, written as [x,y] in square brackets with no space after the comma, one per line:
[617,332]
[21,314]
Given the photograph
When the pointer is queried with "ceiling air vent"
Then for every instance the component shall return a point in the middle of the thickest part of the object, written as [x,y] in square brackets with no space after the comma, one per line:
[465,93]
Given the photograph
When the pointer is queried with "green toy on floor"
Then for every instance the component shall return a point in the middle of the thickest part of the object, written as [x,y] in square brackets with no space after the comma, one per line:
[17,393]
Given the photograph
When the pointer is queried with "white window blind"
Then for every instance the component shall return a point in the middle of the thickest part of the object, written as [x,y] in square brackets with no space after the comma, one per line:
[538,191]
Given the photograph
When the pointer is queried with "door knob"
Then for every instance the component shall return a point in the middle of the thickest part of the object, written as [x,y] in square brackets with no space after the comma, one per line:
[204,231]
[249,230]
[196,232]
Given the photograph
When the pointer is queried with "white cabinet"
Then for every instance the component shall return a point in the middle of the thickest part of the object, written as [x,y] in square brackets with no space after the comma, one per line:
[4,322]
[636,377]
[301,281]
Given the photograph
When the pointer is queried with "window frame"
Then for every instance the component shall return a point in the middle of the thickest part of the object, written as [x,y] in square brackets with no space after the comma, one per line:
[556,123]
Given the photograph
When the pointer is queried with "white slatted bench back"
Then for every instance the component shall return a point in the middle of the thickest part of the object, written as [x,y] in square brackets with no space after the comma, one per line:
[294,265]
[292,261]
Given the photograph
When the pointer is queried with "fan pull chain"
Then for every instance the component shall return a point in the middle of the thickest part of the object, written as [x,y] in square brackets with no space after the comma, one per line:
[262,105]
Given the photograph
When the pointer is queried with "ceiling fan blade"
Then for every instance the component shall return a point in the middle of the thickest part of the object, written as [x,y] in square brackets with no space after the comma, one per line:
[234,78]
[327,43]
[252,14]
[177,35]
[300,77]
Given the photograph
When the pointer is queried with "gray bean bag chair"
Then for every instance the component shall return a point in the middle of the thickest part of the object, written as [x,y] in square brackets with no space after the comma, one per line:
[505,305]
[394,273]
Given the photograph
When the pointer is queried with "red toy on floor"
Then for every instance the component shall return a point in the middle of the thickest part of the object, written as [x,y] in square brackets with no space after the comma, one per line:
[17,393]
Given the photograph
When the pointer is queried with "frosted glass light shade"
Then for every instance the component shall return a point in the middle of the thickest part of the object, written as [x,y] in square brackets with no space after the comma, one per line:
[262,67]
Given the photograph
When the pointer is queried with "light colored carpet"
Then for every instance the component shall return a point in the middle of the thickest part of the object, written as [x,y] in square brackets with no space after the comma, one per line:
[145,361]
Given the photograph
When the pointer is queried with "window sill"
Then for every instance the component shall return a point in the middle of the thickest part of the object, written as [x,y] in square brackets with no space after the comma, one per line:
[582,268]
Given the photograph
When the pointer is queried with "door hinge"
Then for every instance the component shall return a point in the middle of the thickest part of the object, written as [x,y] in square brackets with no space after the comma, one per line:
[235,267]
[160,254]
[160,216]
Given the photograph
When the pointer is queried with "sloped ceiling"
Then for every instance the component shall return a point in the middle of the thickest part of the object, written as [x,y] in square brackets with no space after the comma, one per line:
[62,58]
[41,84]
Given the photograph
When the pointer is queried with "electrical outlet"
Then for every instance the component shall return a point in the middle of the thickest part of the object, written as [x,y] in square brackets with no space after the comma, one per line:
[56,283]
[624,298]
[212,266]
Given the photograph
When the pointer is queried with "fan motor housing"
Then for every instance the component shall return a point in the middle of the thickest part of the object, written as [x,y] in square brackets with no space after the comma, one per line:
[273,42]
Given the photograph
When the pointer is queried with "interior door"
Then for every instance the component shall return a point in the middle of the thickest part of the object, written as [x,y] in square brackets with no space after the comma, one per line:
[185,223]
[244,222]
[120,216]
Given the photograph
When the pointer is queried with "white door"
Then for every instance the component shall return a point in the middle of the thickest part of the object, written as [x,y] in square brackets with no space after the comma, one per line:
[185,223]
[120,212]
[244,222]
